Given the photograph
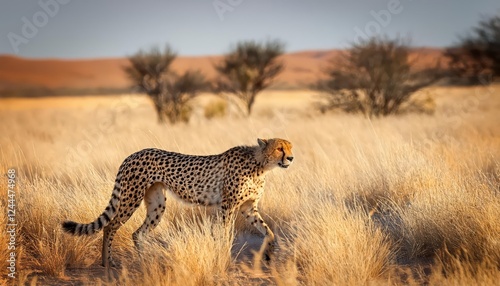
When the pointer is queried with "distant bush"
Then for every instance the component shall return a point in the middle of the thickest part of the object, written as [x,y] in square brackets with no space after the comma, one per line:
[185,113]
[476,58]
[374,77]
[216,108]
[170,92]
[424,104]
[248,69]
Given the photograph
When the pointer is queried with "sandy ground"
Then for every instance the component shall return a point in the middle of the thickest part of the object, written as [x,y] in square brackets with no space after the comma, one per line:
[294,99]
[301,69]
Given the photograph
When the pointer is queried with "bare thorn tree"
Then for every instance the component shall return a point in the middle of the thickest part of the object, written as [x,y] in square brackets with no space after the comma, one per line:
[374,77]
[248,69]
[150,72]
[476,58]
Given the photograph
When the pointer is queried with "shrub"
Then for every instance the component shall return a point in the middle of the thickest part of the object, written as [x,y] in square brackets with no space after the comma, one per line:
[248,69]
[374,77]
[216,109]
[170,92]
[476,58]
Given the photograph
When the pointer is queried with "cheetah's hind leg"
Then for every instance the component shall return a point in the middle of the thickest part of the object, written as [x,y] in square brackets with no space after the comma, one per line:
[155,201]
[108,235]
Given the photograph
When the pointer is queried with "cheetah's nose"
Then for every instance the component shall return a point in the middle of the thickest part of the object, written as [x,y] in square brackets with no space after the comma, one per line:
[289,159]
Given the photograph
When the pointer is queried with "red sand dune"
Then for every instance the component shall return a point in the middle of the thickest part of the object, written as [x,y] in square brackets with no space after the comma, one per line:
[301,69]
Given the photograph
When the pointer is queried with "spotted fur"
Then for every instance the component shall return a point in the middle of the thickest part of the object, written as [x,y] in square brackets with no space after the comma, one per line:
[233,180]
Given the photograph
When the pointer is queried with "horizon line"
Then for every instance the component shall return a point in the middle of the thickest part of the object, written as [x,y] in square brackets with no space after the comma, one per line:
[13,55]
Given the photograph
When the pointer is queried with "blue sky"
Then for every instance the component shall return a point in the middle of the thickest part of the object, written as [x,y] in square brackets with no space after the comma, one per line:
[96,29]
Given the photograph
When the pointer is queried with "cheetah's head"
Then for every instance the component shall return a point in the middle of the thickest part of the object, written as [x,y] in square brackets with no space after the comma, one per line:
[276,152]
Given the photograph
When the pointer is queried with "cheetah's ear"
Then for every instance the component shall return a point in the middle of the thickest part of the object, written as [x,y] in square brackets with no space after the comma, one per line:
[262,142]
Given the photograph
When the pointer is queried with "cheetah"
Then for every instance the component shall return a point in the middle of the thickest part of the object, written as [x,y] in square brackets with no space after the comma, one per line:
[233,181]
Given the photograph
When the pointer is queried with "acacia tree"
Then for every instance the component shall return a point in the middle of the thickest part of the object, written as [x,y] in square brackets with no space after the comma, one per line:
[476,58]
[170,92]
[374,77]
[248,69]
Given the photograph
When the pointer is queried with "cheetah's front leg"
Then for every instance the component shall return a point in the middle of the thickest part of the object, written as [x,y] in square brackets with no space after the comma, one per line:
[251,213]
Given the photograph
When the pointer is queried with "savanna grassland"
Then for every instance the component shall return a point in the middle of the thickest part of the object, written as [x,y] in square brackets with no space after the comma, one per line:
[402,200]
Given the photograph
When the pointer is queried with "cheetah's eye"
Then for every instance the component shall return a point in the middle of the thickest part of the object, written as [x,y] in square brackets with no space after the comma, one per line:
[280,149]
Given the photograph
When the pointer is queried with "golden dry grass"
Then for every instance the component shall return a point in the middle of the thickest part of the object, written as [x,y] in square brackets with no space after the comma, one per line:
[400,200]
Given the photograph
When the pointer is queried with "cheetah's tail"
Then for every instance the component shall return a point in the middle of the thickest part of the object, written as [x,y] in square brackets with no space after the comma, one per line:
[103,220]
